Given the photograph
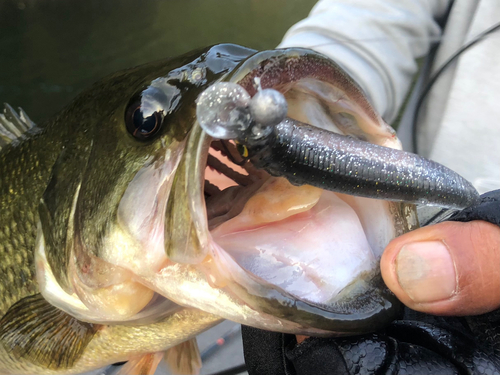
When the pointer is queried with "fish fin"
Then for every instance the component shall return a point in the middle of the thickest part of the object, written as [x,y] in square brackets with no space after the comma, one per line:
[141,365]
[184,359]
[13,125]
[42,334]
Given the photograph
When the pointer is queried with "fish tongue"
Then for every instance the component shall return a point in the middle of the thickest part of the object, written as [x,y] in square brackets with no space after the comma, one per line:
[276,200]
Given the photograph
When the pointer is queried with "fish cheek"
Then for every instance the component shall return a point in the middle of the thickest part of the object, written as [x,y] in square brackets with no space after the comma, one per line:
[77,211]
[96,220]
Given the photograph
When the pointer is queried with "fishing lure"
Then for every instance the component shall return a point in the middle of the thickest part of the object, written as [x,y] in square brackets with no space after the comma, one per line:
[305,154]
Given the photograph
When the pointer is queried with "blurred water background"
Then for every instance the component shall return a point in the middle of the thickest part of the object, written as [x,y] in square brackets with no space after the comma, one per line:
[52,49]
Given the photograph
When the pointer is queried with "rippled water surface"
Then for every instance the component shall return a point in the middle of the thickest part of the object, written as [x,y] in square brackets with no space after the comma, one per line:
[52,49]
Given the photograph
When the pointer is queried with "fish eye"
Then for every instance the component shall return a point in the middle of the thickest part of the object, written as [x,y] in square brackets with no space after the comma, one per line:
[140,127]
[149,110]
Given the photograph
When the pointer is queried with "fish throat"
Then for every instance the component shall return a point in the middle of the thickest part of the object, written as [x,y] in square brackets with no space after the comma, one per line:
[311,243]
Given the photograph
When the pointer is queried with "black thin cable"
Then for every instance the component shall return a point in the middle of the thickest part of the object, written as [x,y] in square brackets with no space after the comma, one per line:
[434,78]
[232,371]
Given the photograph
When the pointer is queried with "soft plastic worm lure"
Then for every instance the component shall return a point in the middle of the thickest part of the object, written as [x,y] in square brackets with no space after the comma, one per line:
[305,154]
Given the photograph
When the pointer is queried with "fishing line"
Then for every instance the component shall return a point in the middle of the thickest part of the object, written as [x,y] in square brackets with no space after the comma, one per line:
[425,91]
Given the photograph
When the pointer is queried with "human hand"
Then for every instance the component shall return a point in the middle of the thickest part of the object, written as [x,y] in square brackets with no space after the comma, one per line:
[450,268]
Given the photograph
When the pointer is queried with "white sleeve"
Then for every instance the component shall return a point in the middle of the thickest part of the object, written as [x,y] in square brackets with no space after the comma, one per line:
[375,41]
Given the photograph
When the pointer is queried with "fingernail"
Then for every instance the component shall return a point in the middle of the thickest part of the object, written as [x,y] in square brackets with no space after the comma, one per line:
[426,271]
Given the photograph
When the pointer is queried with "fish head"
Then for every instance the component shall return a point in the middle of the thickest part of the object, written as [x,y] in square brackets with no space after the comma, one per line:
[118,146]
[157,214]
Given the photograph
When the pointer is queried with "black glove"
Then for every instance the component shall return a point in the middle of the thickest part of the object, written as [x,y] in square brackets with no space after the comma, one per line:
[416,343]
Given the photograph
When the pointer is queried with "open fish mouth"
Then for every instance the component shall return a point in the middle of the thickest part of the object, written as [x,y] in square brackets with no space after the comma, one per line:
[305,241]
[192,225]
[290,258]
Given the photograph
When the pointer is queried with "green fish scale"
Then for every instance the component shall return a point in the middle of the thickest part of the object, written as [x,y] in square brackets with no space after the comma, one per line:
[22,179]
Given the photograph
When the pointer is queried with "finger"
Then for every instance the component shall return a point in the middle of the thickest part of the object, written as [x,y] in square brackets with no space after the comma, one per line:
[450,268]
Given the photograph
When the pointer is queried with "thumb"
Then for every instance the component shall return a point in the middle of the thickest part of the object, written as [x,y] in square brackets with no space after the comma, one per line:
[451,268]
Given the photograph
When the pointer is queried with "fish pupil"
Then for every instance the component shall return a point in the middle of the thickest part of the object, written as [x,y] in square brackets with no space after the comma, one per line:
[142,128]
[145,125]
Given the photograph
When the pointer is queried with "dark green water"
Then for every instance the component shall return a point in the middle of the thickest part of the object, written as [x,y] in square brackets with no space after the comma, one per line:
[51,49]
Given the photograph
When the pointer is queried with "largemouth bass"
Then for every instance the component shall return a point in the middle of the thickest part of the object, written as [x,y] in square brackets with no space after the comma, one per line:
[126,230]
